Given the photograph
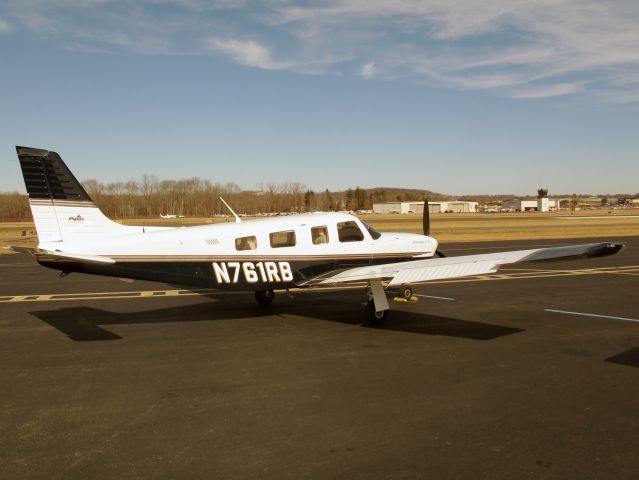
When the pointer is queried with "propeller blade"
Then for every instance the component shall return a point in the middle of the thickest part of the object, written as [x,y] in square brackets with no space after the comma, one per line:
[426,218]
[426,225]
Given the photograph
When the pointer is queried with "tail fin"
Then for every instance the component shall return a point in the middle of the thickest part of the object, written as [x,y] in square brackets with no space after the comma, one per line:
[62,210]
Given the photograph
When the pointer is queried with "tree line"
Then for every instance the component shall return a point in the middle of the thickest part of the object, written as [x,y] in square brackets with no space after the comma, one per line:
[151,197]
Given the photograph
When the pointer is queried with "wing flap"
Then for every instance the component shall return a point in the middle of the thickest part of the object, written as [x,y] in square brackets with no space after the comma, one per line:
[424,274]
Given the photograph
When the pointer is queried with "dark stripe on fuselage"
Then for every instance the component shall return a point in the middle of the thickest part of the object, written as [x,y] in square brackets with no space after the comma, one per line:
[270,274]
[257,258]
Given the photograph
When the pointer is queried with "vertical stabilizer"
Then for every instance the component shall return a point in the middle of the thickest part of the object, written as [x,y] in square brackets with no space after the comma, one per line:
[62,210]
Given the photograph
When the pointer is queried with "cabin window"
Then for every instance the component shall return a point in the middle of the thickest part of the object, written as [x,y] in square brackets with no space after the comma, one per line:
[374,233]
[319,235]
[283,239]
[245,243]
[349,232]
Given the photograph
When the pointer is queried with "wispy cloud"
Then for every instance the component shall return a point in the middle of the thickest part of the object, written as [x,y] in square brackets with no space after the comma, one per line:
[4,26]
[543,91]
[248,52]
[367,70]
[532,49]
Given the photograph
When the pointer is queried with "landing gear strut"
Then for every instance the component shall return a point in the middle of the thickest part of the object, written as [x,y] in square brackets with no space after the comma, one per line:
[264,297]
[377,306]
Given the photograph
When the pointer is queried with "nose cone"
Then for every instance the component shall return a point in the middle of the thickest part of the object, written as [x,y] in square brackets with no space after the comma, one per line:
[433,244]
[421,244]
[401,242]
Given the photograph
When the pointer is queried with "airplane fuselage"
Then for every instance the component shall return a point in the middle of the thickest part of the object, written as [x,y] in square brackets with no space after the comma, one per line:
[271,253]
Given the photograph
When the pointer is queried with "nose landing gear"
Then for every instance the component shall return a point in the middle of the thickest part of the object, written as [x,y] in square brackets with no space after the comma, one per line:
[406,292]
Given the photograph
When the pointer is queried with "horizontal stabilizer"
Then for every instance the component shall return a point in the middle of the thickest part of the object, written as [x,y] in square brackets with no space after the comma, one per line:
[62,256]
[18,249]
[75,257]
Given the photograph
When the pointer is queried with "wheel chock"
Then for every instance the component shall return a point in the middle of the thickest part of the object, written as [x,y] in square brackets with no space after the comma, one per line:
[402,299]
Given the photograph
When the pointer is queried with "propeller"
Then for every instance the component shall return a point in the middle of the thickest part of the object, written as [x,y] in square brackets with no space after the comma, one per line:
[426,218]
[426,225]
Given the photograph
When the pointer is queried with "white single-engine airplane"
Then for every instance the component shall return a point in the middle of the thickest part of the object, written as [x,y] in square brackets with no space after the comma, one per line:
[309,250]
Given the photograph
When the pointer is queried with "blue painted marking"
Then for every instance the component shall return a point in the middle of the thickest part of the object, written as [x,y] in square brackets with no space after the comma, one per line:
[592,315]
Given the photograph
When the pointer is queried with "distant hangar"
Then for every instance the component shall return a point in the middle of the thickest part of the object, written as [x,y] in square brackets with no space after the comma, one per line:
[539,205]
[453,206]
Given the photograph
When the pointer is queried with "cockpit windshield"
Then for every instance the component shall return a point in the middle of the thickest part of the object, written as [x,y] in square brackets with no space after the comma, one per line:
[374,233]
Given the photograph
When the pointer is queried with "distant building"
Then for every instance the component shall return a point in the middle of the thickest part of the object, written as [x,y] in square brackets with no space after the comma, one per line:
[629,201]
[418,207]
[540,205]
[589,201]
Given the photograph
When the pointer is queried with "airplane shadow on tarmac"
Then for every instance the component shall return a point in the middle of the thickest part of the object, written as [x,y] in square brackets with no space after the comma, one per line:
[629,358]
[88,324]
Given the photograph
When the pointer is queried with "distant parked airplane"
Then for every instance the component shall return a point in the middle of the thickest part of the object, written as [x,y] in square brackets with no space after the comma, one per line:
[310,250]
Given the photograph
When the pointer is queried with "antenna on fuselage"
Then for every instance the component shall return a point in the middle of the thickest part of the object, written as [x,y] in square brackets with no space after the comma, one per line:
[237,217]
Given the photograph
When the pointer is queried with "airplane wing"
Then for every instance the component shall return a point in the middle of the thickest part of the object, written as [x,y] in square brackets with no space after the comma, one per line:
[415,271]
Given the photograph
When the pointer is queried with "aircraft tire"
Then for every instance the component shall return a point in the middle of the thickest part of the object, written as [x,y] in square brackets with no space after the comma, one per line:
[406,293]
[264,297]
[375,318]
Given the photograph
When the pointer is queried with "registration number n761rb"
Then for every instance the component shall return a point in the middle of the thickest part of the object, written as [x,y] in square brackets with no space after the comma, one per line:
[252,272]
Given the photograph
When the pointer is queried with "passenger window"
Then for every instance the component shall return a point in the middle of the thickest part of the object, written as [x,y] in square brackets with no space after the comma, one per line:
[349,232]
[319,235]
[245,243]
[283,239]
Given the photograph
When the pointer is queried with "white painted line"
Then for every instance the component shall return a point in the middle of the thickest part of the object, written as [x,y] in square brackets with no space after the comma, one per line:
[580,217]
[592,315]
[432,296]
[526,269]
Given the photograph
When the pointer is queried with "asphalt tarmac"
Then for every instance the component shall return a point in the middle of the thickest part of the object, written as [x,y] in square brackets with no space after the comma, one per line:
[530,373]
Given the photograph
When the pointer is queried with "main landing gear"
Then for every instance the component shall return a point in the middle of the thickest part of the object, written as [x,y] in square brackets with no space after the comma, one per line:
[375,317]
[264,297]
[377,307]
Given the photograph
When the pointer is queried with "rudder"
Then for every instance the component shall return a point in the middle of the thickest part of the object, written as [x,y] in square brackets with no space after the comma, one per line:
[62,209]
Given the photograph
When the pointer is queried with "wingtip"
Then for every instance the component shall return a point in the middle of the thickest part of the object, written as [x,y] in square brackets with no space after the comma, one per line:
[612,248]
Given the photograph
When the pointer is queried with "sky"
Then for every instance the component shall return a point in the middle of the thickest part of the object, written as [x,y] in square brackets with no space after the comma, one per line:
[453,96]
